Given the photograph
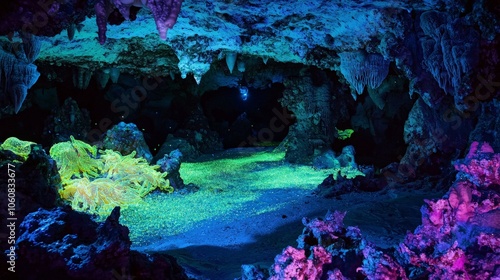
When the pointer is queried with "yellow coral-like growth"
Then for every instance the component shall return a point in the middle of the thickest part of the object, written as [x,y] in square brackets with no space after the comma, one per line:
[18,147]
[97,181]
[75,159]
[99,196]
[134,172]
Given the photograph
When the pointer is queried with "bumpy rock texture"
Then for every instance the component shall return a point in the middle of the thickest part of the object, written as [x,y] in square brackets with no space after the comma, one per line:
[69,245]
[315,121]
[301,32]
[127,138]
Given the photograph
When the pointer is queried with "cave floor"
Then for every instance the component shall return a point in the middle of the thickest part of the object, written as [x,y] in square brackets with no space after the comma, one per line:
[249,208]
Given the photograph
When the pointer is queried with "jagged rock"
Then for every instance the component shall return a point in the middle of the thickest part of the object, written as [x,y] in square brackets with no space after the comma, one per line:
[429,131]
[313,122]
[35,183]
[66,244]
[127,138]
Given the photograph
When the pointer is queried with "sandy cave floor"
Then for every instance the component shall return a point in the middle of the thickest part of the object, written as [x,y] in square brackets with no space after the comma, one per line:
[250,206]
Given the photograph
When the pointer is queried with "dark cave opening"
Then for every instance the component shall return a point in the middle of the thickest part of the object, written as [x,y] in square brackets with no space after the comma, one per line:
[245,121]
[116,103]
[239,122]
[378,137]
[28,127]
[47,98]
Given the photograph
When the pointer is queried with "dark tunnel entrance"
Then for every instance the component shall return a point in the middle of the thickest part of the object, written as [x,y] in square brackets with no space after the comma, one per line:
[246,119]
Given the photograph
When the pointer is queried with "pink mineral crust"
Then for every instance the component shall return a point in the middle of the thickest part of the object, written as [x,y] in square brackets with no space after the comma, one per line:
[336,274]
[322,243]
[460,199]
[476,148]
[294,264]
[458,238]
[326,230]
[378,265]
[489,240]
[481,165]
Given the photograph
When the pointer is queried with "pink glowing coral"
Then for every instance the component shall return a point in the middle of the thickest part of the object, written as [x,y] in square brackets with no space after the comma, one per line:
[322,243]
[326,230]
[295,264]
[327,250]
[481,166]
[381,266]
[489,240]
[458,238]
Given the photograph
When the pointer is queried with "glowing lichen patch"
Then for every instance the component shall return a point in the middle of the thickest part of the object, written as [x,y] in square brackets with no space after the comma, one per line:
[231,188]
[262,170]
[17,146]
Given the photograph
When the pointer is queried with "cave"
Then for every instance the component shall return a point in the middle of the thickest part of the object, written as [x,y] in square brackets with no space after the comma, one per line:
[249,139]
[238,114]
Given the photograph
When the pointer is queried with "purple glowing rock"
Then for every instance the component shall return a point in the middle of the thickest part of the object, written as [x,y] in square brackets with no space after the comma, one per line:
[165,14]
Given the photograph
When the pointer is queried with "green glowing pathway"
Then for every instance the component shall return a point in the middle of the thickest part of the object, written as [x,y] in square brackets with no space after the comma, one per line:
[249,208]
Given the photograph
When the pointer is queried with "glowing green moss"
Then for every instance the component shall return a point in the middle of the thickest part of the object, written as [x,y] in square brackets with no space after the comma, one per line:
[344,134]
[234,187]
[18,147]
[230,188]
